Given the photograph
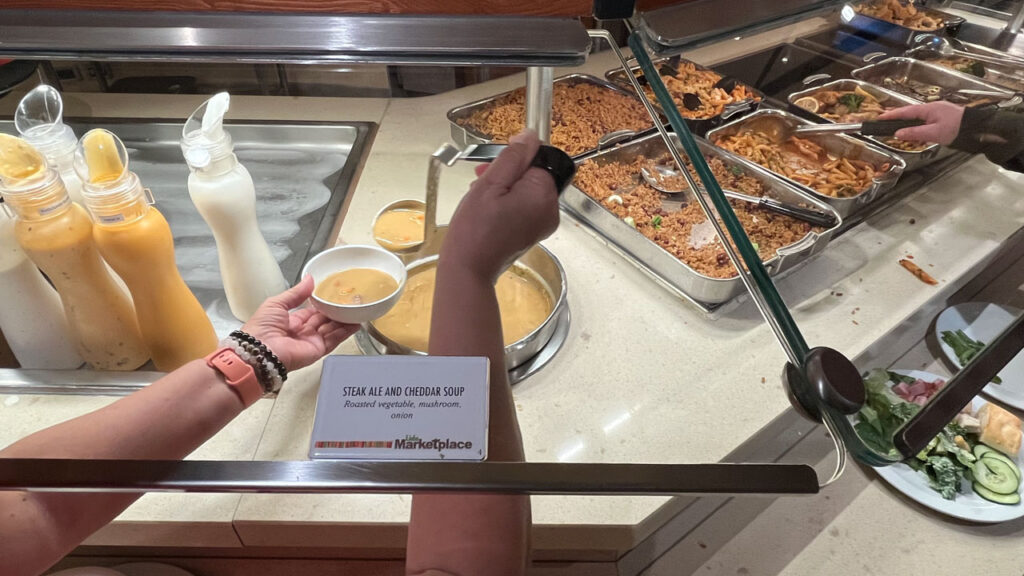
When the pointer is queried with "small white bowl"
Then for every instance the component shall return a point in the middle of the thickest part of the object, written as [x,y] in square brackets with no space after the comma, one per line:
[346,258]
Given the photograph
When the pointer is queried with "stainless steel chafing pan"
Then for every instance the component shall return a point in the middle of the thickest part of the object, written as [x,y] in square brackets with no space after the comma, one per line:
[665,268]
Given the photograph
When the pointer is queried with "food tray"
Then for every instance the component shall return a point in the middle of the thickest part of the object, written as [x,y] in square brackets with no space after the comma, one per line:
[839,145]
[1002,75]
[665,268]
[464,136]
[926,72]
[698,126]
[913,158]
[895,34]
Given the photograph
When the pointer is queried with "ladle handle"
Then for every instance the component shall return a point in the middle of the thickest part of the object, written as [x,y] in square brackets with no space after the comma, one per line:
[552,160]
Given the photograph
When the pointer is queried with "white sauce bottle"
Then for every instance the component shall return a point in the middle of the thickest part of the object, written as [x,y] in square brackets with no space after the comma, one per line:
[40,120]
[223,192]
[31,315]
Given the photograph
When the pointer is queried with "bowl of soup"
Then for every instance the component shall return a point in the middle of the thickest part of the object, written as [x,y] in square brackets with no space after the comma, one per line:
[355,284]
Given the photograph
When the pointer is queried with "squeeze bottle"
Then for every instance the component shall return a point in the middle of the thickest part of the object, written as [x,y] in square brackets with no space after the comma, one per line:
[40,121]
[223,192]
[30,313]
[136,241]
[56,234]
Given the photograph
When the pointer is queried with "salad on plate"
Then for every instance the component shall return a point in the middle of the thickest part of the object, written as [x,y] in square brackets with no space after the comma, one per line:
[977,451]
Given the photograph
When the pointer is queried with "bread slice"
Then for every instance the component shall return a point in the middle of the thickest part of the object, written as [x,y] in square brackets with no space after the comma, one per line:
[999,429]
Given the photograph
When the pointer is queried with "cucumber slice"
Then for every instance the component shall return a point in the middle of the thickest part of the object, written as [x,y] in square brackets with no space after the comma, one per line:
[993,455]
[997,498]
[996,475]
[980,450]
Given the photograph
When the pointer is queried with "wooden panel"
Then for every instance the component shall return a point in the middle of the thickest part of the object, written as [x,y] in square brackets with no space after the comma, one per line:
[505,7]
[648,5]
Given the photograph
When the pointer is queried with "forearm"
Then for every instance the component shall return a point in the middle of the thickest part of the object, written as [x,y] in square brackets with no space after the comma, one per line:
[467,322]
[167,420]
[997,134]
[464,534]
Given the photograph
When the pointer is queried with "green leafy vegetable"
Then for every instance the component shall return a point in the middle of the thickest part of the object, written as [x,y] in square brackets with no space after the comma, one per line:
[884,412]
[656,222]
[944,476]
[851,101]
[972,67]
[965,348]
[736,170]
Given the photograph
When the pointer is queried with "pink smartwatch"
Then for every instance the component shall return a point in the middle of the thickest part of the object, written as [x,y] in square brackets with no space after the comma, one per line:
[238,374]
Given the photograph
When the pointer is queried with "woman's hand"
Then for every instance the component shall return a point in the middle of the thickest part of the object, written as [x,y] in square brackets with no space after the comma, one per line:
[509,208]
[942,122]
[301,337]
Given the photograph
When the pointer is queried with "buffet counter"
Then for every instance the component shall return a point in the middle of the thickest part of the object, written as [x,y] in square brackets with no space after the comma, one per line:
[644,377]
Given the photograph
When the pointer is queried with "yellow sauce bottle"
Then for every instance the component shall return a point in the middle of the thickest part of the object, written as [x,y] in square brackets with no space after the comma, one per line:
[56,234]
[136,242]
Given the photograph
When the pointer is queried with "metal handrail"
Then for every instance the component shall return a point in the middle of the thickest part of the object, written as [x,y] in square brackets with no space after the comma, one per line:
[336,477]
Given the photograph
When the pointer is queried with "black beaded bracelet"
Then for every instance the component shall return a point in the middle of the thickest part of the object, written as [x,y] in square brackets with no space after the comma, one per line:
[267,352]
[262,374]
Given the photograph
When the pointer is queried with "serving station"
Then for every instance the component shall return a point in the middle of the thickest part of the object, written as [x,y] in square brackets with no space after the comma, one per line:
[656,350]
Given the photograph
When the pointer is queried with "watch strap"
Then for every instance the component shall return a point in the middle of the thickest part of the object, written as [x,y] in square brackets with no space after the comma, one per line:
[238,374]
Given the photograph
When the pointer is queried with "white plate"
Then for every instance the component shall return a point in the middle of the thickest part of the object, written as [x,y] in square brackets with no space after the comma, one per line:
[967,505]
[984,321]
[151,569]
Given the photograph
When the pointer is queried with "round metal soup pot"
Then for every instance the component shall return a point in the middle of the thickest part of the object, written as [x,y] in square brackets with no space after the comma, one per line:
[538,262]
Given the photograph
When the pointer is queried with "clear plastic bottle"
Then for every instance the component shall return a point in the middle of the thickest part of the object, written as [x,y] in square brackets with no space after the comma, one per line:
[136,241]
[223,192]
[31,316]
[56,234]
[40,121]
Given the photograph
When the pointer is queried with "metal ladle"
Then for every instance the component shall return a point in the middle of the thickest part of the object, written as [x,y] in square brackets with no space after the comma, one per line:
[552,160]
[813,217]
[944,47]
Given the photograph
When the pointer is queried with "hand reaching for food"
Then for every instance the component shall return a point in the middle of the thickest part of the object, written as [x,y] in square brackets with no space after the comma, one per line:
[942,122]
[508,209]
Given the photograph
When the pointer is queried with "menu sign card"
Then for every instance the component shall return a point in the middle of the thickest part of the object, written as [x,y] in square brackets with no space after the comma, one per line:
[402,408]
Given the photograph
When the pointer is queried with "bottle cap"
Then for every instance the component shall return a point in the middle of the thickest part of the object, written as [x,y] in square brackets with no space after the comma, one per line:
[20,163]
[203,139]
[101,161]
[39,118]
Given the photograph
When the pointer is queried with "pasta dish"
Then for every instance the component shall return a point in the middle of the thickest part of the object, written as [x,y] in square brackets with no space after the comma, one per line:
[805,162]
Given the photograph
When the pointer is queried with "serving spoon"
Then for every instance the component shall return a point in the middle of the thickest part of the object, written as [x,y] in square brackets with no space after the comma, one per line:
[946,48]
[813,217]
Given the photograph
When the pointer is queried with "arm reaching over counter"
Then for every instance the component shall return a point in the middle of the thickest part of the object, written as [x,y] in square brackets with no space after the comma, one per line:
[997,134]
[508,209]
[166,420]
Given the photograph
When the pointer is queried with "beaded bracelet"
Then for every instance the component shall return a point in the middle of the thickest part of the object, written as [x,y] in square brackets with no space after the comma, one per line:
[268,368]
[244,337]
[266,373]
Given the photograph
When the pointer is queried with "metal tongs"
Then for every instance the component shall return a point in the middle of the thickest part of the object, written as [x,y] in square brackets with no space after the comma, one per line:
[813,217]
[779,131]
